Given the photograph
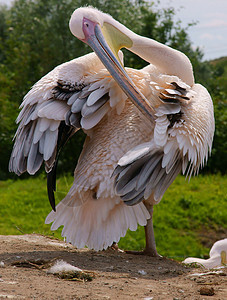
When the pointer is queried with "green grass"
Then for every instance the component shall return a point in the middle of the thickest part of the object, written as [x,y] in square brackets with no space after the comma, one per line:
[186,210]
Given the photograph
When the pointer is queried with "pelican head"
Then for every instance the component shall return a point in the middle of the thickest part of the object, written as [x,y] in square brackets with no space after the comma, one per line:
[88,22]
[106,37]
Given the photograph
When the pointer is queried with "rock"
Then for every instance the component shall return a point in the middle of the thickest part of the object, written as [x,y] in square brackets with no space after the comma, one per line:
[208,291]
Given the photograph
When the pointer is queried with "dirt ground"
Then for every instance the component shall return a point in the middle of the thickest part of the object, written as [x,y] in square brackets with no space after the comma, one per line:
[25,260]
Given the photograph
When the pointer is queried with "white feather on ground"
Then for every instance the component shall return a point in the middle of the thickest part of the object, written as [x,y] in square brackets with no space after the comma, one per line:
[61,266]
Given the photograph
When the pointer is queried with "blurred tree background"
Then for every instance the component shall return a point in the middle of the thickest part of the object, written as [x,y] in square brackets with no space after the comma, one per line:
[34,38]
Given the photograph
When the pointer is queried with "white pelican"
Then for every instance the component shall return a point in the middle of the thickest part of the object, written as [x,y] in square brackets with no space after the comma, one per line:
[143,128]
[218,256]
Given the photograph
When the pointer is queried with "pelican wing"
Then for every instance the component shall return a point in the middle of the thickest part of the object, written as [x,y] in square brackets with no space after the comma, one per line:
[148,169]
[74,95]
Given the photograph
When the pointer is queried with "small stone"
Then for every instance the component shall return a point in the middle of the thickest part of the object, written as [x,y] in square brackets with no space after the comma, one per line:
[208,291]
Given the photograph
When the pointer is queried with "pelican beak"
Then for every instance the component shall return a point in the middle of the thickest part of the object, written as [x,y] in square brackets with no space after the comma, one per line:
[106,41]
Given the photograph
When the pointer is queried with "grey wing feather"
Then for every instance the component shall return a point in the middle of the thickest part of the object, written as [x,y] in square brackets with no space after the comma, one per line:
[167,181]
[128,178]
[78,105]
[147,169]
[35,159]
[138,197]
[145,176]
[87,111]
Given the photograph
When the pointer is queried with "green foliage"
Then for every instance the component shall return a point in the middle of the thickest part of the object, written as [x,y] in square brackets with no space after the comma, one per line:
[217,84]
[8,113]
[186,212]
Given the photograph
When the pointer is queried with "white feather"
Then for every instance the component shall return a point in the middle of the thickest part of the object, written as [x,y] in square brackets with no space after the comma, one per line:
[135,153]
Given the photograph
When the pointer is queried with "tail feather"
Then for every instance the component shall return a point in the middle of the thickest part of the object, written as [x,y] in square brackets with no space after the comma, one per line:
[97,223]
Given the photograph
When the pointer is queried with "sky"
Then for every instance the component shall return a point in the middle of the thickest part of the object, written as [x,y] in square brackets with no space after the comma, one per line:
[210,33]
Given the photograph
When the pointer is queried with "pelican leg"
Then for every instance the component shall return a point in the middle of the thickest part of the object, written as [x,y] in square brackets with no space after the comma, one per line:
[150,248]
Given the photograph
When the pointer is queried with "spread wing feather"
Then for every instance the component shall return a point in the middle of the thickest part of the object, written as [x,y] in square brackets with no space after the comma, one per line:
[146,176]
[68,93]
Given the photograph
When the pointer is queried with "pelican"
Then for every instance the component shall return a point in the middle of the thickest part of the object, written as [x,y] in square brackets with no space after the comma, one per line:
[143,128]
[218,256]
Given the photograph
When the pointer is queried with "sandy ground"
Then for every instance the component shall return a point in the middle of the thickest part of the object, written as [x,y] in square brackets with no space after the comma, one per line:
[25,260]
